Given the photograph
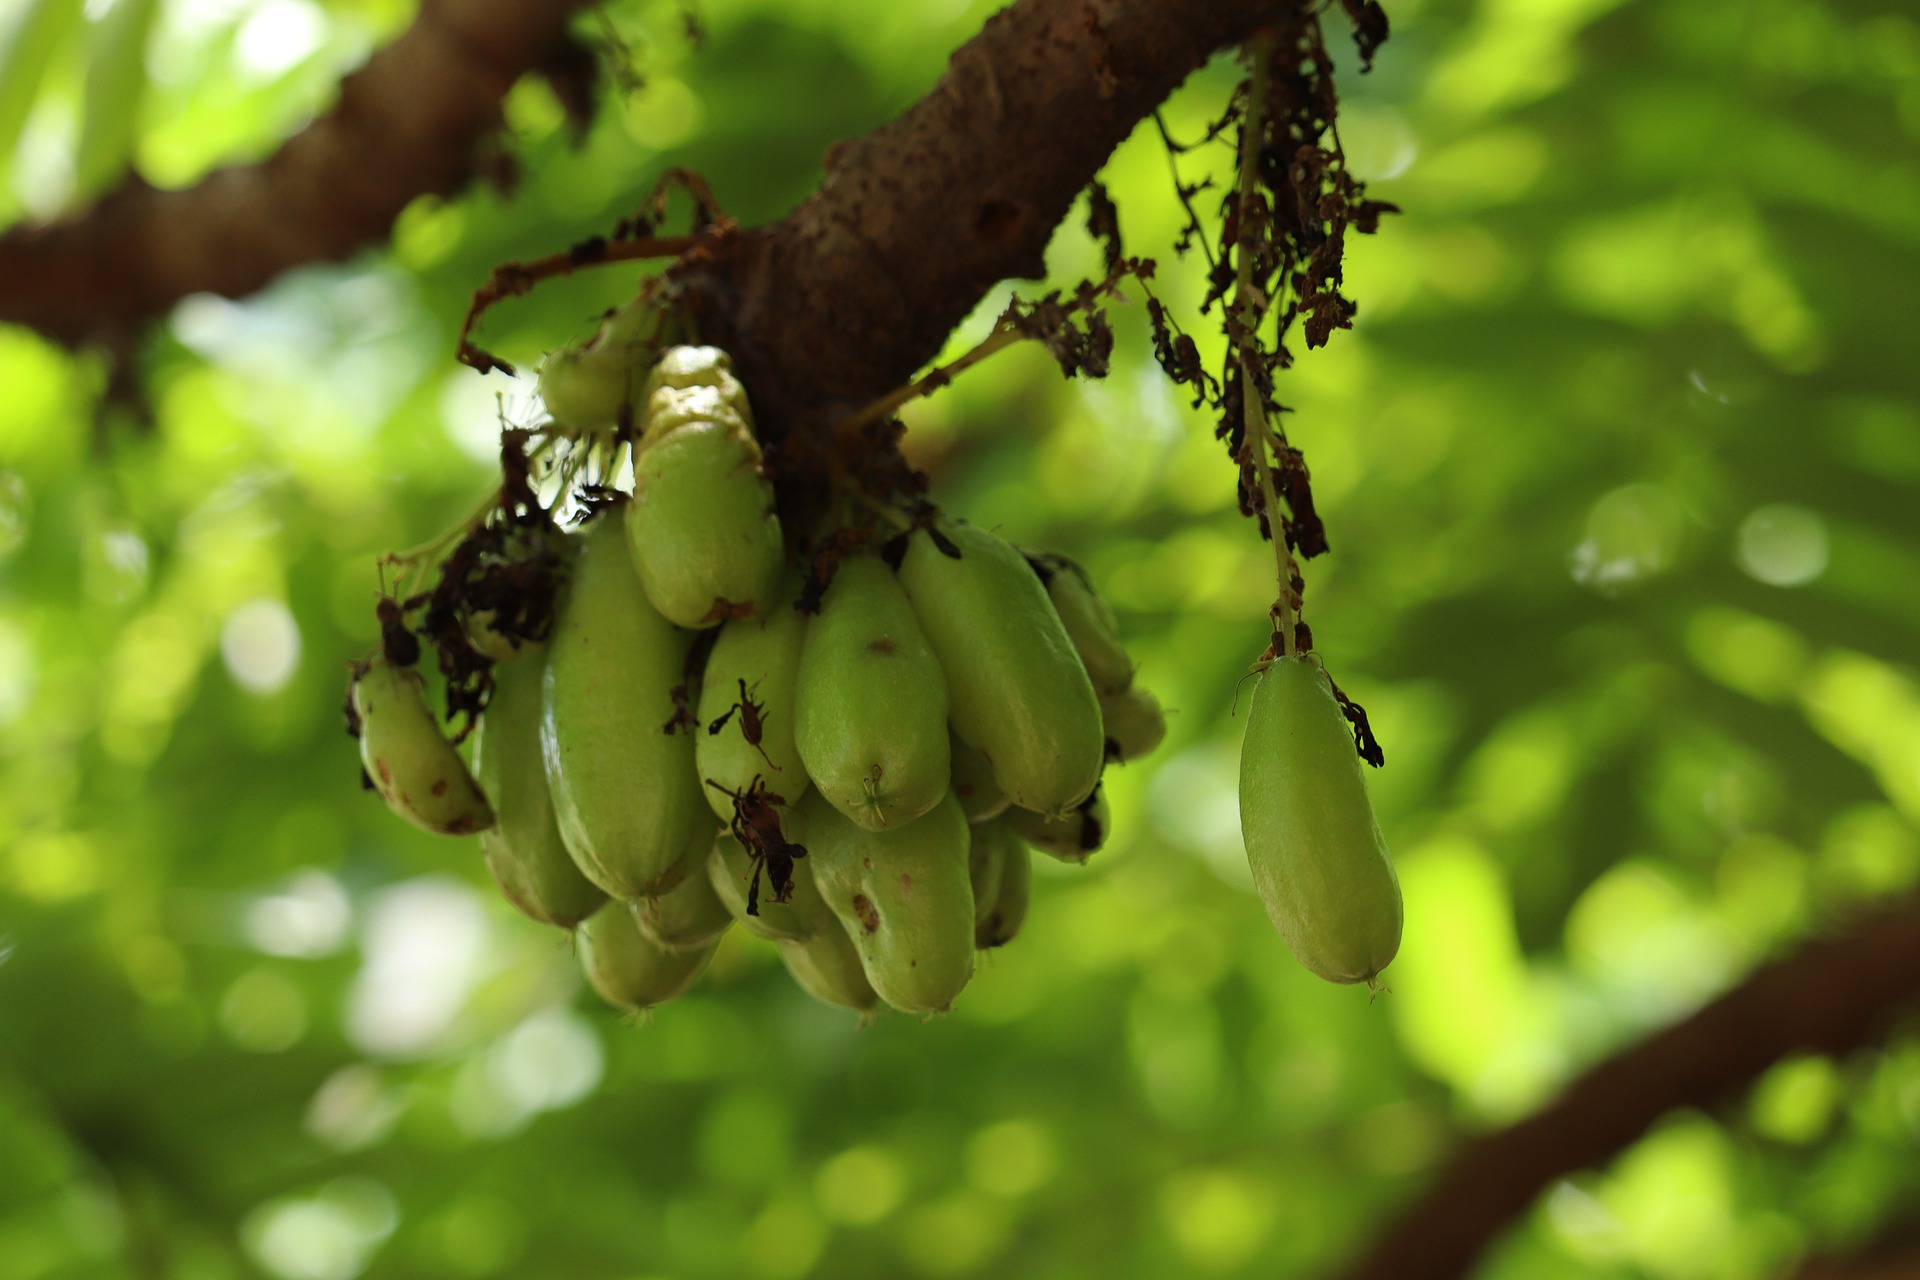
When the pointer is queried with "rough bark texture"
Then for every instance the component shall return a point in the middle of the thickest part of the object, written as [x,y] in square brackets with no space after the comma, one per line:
[413,121]
[1831,996]
[853,291]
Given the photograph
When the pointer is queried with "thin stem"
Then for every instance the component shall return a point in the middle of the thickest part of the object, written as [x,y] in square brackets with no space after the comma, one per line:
[418,560]
[1248,303]
[1002,337]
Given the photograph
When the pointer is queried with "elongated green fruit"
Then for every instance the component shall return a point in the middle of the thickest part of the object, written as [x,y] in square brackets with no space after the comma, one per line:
[1070,838]
[801,917]
[1019,691]
[870,705]
[524,851]
[828,968]
[1133,723]
[413,766]
[986,859]
[631,970]
[1089,622]
[999,926]
[115,88]
[594,385]
[705,537]
[973,785]
[626,794]
[748,692]
[690,915]
[902,895]
[1319,862]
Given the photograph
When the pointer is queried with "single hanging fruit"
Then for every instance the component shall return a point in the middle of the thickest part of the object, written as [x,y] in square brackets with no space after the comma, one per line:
[705,539]
[629,969]
[998,926]
[1019,692]
[746,708]
[828,968]
[870,704]
[1319,862]
[524,851]
[626,795]
[414,768]
[1089,621]
[1070,837]
[973,785]
[903,896]
[689,916]
[986,859]
[1133,723]
[802,916]
[593,386]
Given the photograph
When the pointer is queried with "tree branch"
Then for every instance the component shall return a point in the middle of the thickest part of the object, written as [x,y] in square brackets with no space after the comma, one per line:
[1831,996]
[413,121]
[842,300]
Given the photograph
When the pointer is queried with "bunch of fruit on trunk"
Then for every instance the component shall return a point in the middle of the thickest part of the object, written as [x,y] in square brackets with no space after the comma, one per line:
[855,765]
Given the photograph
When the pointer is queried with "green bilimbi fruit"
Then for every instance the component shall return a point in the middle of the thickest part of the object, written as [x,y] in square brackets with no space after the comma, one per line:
[524,851]
[1070,837]
[591,386]
[1019,692]
[903,896]
[1089,621]
[748,690]
[626,795]
[986,859]
[973,784]
[1133,723]
[413,766]
[705,537]
[631,970]
[1319,862]
[801,917]
[690,915]
[870,706]
[828,968]
[998,925]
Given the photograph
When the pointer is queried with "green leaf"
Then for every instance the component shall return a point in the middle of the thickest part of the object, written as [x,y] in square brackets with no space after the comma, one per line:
[115,88]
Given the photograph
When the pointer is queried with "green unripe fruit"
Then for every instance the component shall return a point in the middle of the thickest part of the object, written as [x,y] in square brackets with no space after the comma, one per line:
[1319,862]
[524,851]
[986,856]
[626,794]
[801,917]
[748,691]
[1089,622]
[413,766]
[828,968]
[628,968]
[588,389]
[870,705]
[1133,723]
[690,915]
[973,785]
[705,537]
[998,926]
[1019,692]
[497,646]
[1071,837]
[903,896]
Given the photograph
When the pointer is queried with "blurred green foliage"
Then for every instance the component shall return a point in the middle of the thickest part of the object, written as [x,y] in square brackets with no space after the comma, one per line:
[1620,468]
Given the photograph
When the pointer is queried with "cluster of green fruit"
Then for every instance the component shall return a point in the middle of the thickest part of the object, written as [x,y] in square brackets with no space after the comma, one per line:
[859,780]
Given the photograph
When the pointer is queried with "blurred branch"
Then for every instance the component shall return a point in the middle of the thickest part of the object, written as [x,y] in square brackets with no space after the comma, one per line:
[415,120]
[1831,996]
[842,300]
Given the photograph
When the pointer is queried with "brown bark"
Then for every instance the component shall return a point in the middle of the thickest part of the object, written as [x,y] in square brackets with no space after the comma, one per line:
[1831,996]
[413,121]
[844,298]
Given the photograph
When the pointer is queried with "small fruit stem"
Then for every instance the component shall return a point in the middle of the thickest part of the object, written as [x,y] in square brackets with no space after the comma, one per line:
[1002,337]
[1251,306]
